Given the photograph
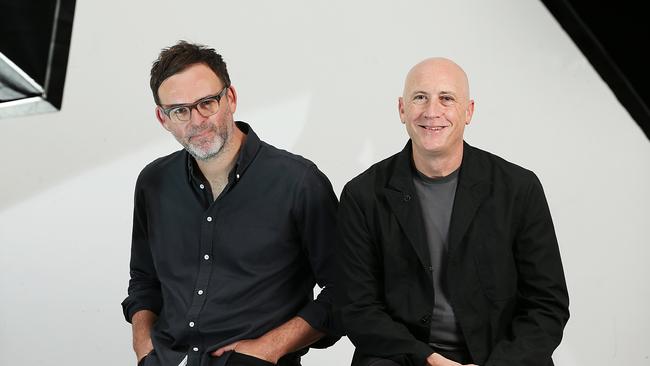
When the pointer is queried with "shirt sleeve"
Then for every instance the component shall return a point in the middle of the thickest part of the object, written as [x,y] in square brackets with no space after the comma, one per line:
[542,297]
[315,215]
[144,288]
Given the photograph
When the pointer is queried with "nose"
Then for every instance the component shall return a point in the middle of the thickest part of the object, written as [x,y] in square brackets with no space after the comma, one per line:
[195,116]
[432,109]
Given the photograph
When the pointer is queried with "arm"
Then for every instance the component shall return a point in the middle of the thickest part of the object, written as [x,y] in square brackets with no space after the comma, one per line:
[144,298]
[141,324]
[314,213]
[360,297]
[289,337]
[315,216]
[542,297]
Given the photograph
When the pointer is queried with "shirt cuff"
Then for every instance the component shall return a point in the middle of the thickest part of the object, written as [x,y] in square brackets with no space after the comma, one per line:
[131,306]
[319,316]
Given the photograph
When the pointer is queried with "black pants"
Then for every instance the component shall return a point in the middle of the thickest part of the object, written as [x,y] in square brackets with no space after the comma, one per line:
[240,359]
[376,361]
[461,357]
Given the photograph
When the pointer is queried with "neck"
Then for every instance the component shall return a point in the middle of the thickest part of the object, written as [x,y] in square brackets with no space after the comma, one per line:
[217,168]
[438,165]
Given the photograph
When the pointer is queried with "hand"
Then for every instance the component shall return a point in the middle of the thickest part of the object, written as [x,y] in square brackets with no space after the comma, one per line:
[253,347]
[436,359]
[291,336]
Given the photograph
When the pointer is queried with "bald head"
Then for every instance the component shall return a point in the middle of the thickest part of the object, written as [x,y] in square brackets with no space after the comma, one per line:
[435,108]
[440,70]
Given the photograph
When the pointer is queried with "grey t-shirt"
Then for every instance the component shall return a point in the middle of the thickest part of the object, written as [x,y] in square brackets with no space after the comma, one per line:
[437,200]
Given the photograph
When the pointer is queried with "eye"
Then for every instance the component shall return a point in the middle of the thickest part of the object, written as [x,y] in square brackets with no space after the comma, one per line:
[447,100]
[209,105]
[180,113]
[420,99]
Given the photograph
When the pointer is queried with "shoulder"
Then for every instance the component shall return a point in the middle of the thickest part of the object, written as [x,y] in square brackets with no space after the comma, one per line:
[295,174]
[495,168]
[174,163]
[292,169]
[373,178]
[506,180]
[284,162]
[283,159]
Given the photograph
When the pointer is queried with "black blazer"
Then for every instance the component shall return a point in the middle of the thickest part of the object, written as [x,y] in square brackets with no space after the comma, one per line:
[506,281]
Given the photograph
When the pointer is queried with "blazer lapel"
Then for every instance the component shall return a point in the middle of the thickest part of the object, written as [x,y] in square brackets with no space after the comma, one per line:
[473,189]
[403,201]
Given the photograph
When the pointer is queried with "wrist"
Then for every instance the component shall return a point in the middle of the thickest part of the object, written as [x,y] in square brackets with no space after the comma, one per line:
[140,355]
[273,350]
[142,348]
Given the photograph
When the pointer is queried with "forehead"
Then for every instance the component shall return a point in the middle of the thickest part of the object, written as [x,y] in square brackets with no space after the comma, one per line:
[436,78]
[189,85]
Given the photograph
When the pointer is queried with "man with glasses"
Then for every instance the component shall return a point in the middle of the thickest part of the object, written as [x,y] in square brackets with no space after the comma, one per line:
[230,235]
[448,253]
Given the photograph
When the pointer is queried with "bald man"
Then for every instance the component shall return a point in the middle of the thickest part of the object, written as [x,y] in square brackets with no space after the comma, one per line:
[448,253]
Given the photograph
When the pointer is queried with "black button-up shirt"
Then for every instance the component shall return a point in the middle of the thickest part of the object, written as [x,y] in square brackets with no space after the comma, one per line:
[217,271]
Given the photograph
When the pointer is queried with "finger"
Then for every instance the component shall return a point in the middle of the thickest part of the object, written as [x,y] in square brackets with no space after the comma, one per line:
[218,352]
[224,349]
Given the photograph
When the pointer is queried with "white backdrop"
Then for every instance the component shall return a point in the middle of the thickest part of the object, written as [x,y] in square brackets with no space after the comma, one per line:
[320,79]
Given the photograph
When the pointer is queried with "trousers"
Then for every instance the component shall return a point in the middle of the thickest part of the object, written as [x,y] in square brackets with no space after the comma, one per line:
[461,357]
[240,359]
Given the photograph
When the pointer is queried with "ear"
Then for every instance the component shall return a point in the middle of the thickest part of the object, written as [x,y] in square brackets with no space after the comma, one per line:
[469,112]
[160,116]
[232,98]
[400,109]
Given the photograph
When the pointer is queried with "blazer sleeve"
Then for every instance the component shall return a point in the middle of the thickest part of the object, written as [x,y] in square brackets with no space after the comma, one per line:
[360,290]
[542,296]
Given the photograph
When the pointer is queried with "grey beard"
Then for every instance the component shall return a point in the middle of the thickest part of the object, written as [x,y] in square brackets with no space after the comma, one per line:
[205,155]
[215,148]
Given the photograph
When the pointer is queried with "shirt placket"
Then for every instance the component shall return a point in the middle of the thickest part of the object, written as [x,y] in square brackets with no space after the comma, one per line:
[193,319]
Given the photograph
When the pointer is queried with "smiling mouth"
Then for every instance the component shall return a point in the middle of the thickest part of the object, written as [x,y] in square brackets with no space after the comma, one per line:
[433,128]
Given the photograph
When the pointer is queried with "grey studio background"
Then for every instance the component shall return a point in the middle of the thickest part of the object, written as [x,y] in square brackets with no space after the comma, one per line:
[322,80]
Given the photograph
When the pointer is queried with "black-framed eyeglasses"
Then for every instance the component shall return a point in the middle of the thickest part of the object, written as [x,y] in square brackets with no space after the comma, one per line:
[205,106]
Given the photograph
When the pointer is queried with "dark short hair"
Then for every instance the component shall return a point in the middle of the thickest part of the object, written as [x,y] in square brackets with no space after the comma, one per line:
[180,56]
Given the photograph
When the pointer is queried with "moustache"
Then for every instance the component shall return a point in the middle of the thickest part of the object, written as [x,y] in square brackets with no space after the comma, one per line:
[197,131]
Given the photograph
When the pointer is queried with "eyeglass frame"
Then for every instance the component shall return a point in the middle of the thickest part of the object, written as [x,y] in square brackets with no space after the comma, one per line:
[194,105]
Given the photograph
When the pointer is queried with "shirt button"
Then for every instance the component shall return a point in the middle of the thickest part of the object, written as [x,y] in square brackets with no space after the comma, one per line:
[206,257]
[200,292]
[237,176]
[191,324]
[209,219]
[201,186]
[195,349]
